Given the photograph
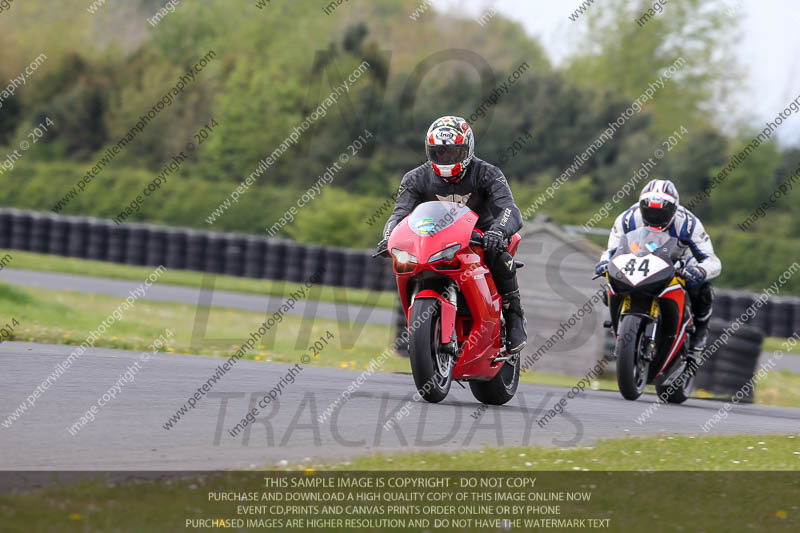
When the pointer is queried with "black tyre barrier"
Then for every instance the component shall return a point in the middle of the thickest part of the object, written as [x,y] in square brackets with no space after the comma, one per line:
[234,255]
[795,317]
[5,227]
[135,244]
[389,279]
[722,305]
[196,250]
[176,249]
[254,251]
[156,249]
[275,260]
[59,237]
[21,222]
[295,255]
[781,318]
[373,272]
[739,304]
[353,269]
[314,261]
[117,243]
[215,253]
[78,235]
[334,267]
[762,319]
[731,367]
[97,246]
[40,232]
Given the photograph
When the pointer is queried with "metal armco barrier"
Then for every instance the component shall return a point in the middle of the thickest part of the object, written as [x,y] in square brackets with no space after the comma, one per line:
[251,256]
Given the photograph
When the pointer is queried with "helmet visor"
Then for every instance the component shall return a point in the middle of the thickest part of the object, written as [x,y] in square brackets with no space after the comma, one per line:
[658,217]
[447,154]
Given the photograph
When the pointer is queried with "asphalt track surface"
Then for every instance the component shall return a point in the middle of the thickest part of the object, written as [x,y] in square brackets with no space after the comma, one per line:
[128,432]
[191,295]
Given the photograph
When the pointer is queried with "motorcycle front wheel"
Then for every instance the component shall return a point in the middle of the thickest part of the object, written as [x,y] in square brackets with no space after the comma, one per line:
[632,368]
[431,367]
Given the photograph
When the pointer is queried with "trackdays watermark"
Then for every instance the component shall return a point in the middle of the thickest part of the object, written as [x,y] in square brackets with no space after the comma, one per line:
[374,365]
[289,422]
[127,377]
[62,367]
[255,335]
[5,5]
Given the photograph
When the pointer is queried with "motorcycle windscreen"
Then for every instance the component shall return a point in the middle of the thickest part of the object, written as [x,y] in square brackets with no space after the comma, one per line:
[643,241]
[430,218]
[643,260]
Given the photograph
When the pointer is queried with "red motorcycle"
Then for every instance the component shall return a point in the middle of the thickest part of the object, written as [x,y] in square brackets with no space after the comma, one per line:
[455,324]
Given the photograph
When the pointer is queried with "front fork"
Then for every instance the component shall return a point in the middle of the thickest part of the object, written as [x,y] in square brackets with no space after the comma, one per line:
[650,329]
[450,294]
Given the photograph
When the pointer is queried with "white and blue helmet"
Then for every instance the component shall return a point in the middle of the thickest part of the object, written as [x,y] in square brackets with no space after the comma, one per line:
[658,203]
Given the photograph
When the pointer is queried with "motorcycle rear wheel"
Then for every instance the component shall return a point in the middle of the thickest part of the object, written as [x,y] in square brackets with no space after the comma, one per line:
[501,388]
[632,369]
[432,369]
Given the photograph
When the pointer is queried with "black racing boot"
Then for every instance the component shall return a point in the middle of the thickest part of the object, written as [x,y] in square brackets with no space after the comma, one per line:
[516,337]
[700,336]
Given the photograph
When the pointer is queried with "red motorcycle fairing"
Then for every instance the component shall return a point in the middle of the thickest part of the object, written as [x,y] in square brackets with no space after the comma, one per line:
[448,313]
[677,294]
[478,332]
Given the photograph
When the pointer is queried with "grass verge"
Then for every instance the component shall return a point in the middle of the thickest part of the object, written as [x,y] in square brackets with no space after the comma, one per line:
[774,344]
[667,453]
[761,499]
[87,267]
[64,317]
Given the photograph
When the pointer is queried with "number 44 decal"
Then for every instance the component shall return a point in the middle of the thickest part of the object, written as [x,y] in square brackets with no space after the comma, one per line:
[637,269]
[631,269]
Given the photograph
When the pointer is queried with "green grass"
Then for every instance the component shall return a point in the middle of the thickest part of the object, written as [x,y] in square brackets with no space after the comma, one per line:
[668,453]
[64,317]
[774,344]
[762,499]
[780,387]
[86,267]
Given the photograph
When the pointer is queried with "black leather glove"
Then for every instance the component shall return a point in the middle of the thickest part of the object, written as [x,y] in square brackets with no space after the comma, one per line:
[495,241]
[382,248]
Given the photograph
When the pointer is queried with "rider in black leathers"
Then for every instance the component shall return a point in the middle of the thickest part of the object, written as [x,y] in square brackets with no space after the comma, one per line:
[452,173]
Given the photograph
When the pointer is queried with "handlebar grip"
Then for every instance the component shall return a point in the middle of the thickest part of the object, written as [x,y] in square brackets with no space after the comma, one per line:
[476,239]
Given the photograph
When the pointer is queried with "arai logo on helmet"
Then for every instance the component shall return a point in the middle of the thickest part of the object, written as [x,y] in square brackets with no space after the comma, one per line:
[445,135]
